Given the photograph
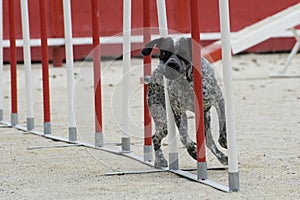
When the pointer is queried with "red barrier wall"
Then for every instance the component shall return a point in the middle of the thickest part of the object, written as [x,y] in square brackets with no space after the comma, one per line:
[243,13]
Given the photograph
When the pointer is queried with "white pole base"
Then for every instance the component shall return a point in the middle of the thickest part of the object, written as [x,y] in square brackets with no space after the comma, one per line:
[234,184]
[201,170]
[126,144]
[14,119]
[148,153]
[30,124]
[47,128]
[173,161]
[72,134]
[98,139]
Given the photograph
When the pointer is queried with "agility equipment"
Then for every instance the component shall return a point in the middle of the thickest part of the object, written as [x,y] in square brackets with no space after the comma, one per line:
[97,74]
[127,39]
[27,64]
[13,64]
[70,68]
[229,98]
[278,25]
[198,99]
[148,149]
[45,68]
[1,61]
[173,150]
[126,79]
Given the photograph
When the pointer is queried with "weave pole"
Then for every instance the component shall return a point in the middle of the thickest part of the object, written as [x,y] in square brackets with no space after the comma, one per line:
[148,149]
[1,60]
[70,67]
[126,78]
[45,68]
[97,74]
[198,99]
[173,151]
[233,174]
[27,64]
[13,63]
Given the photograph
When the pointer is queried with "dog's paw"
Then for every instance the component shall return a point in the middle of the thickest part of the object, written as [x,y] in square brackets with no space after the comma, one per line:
[222,158]
[192,150]
[223,141]
[160,161]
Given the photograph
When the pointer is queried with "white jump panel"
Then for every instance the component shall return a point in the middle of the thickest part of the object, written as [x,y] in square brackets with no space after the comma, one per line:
[266,29]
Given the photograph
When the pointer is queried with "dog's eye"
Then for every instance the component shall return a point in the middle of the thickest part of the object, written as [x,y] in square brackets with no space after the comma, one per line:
[164,55]
[183,59]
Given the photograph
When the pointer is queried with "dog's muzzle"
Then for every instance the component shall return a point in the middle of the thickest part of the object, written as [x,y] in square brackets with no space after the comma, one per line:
[172,69]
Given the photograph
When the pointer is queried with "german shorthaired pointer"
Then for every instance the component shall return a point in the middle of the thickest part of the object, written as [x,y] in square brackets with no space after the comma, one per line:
[175,64]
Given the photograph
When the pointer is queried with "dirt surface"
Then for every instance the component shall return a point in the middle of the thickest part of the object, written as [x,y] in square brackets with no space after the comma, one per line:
[267,123]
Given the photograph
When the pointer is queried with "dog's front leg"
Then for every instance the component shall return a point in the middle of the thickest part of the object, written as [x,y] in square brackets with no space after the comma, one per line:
[181,123]
[158,112]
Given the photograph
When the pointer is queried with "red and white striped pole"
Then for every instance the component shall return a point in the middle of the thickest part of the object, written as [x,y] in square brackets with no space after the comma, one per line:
[97,74]
[45,67]
[148,149]
[13,63]
[1,60]
[198,99]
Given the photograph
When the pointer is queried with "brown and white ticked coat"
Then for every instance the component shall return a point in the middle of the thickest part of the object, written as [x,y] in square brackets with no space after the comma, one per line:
[175,65]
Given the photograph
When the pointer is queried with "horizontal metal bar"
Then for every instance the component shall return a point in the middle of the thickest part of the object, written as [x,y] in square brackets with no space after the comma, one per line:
[134,39]
[207,182]
[285,76]
[53,146]
[134,172]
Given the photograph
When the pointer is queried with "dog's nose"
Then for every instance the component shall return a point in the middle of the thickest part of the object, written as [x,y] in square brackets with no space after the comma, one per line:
[174,65]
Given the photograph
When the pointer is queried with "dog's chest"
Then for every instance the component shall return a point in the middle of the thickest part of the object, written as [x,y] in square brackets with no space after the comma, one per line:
[181,94]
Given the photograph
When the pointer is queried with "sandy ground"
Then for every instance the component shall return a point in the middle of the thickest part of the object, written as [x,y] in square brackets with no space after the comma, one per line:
[267,122]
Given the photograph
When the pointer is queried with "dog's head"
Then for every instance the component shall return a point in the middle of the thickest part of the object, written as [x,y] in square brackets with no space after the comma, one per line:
[175,57]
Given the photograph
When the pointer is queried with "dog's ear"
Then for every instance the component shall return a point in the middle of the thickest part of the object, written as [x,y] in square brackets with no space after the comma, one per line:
[149,46]
[185,49]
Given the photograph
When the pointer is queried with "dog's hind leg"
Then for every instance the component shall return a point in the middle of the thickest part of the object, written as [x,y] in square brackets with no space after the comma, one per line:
[158,113]
[210,143]
[220,108]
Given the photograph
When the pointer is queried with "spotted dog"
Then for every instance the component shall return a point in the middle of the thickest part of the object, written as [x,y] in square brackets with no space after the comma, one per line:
[175,64]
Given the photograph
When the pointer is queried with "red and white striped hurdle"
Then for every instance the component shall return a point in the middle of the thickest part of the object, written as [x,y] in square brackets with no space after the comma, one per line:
[125,139]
